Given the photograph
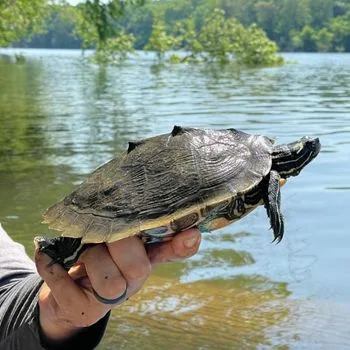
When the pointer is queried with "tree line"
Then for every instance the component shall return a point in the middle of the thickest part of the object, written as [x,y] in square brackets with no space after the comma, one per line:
[295,25]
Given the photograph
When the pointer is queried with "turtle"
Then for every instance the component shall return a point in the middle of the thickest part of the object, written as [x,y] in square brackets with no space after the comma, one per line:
[165,184]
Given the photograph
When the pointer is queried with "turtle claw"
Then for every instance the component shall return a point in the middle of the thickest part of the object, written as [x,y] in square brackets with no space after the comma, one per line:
[277,227]
[277,239]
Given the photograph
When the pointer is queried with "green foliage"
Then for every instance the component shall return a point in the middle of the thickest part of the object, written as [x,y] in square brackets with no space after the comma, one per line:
[114,50]
[160,42]
[137,21]
[95,18]
[225,39]
[310,39]
[324,40]
[20,18]
[94,26]
[340,28]
[189,37]
[59,30]
[334,37]
[265,17]
[305,40]
[258,49]
[307,25]
[220,37]
[84,27]
[291,22]
[321,11]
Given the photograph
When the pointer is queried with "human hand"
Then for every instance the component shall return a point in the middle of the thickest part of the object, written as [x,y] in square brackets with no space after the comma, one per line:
[66,299]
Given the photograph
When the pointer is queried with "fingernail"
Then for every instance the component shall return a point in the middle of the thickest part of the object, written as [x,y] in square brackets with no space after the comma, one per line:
[191,242]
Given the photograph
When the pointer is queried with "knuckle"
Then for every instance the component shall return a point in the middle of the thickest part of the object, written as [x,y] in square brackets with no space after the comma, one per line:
[139,271]
[112,288]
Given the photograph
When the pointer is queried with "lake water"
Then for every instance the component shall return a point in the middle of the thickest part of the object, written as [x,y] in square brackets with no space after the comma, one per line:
[62,117]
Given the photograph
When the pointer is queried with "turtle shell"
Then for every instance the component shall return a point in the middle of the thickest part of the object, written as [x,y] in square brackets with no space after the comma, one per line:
[163,185]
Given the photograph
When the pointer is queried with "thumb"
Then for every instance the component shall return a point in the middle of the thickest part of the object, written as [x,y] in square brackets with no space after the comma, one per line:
[45,266]
[65,291]
[183,245]
[51,272]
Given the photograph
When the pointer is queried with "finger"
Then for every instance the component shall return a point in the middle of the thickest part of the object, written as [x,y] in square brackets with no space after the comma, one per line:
[103,273]
[131,258]
[64,290]
[183,245]
[77,272]
[79,275]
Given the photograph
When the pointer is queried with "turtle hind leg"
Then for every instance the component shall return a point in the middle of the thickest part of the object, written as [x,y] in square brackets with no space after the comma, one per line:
[62,250]
[272,202]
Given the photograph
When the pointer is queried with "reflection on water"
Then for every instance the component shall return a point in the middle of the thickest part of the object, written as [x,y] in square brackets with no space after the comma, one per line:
[62,117]
[313,324]
[230,314]
[22,140]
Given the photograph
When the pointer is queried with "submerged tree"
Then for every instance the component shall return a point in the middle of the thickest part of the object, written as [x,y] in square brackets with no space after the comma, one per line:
[95,25]
[225,39]
[93,21]
[114,50]
[220,37]
[257,49]
[159,41]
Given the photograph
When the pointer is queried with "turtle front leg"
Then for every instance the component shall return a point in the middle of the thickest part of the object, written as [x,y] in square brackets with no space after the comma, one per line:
[272,202]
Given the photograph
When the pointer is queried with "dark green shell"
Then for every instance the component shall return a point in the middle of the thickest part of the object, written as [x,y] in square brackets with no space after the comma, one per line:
[160,180]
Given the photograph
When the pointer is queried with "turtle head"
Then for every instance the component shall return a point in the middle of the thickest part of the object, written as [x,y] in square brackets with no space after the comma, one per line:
[291,158]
